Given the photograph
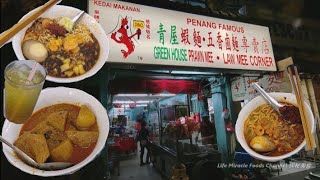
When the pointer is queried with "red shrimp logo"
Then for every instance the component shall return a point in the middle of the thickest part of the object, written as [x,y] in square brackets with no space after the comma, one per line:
[125,38]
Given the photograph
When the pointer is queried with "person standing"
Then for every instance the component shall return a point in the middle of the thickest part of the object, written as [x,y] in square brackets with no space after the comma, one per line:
[208,131]
[144,142]
[138,126]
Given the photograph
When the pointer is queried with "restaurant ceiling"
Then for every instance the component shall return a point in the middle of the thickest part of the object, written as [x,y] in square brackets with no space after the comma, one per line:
[132,71]
[293,8]
[139,98]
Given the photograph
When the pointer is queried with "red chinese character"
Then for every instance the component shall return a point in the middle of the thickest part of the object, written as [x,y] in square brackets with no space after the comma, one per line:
[147,21]
[245,43]
[265,47]
[96,16]
[185,36]
[249,82]
[197,38]
[210,40]
[271,79]
[237,86]
[278,75]
[148,26]
[235,43]
[219,40]
[148,31]
[148,36]
[255,45]
[96,11]
[228,44]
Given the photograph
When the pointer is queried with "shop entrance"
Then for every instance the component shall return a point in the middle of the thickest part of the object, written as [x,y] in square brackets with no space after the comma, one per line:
[185,113]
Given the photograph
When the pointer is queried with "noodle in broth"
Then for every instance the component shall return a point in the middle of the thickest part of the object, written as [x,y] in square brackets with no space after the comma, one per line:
[265,121]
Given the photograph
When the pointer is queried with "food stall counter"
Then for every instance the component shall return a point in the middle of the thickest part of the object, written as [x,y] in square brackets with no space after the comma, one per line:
[164,158]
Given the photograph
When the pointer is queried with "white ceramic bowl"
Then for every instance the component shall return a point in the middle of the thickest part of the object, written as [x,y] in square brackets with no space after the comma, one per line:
[66,11]
[252,105]
[51,96]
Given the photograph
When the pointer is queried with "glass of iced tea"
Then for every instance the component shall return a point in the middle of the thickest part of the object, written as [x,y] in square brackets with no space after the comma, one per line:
[21,94]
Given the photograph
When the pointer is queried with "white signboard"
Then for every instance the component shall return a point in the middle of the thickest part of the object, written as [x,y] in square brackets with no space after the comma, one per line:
[146,35]
[274,82]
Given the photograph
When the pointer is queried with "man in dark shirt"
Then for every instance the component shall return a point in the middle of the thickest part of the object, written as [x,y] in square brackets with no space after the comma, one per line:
[144,142]
[208,131]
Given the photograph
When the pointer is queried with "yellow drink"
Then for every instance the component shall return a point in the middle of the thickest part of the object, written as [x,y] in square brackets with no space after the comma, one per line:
[21,95]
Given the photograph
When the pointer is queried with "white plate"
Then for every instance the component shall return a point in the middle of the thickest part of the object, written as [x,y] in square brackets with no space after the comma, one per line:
[252,105]
[66,11]
[51,96]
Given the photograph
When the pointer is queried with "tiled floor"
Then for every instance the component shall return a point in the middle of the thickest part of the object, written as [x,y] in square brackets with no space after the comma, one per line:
[131,170]
[296,169]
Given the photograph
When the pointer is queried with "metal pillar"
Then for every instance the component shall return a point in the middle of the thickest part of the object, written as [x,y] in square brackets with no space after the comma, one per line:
[221,98]
[233,117]
[219,103]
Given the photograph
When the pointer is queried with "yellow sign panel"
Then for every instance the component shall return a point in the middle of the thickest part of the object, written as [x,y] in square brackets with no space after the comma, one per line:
[138,24]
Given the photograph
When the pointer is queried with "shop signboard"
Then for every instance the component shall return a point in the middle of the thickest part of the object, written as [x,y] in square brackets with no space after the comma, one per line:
[147,35]
[273,82]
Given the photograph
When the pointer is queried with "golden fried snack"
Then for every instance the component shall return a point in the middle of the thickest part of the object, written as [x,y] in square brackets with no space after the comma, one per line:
[83,138]
[57,120]
[33,145]
[62,152]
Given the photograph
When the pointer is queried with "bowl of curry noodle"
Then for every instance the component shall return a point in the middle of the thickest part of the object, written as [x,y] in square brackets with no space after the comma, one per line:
[266,135]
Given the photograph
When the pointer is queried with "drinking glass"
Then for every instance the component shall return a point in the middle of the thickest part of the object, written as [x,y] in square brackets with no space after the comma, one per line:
[21,94]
